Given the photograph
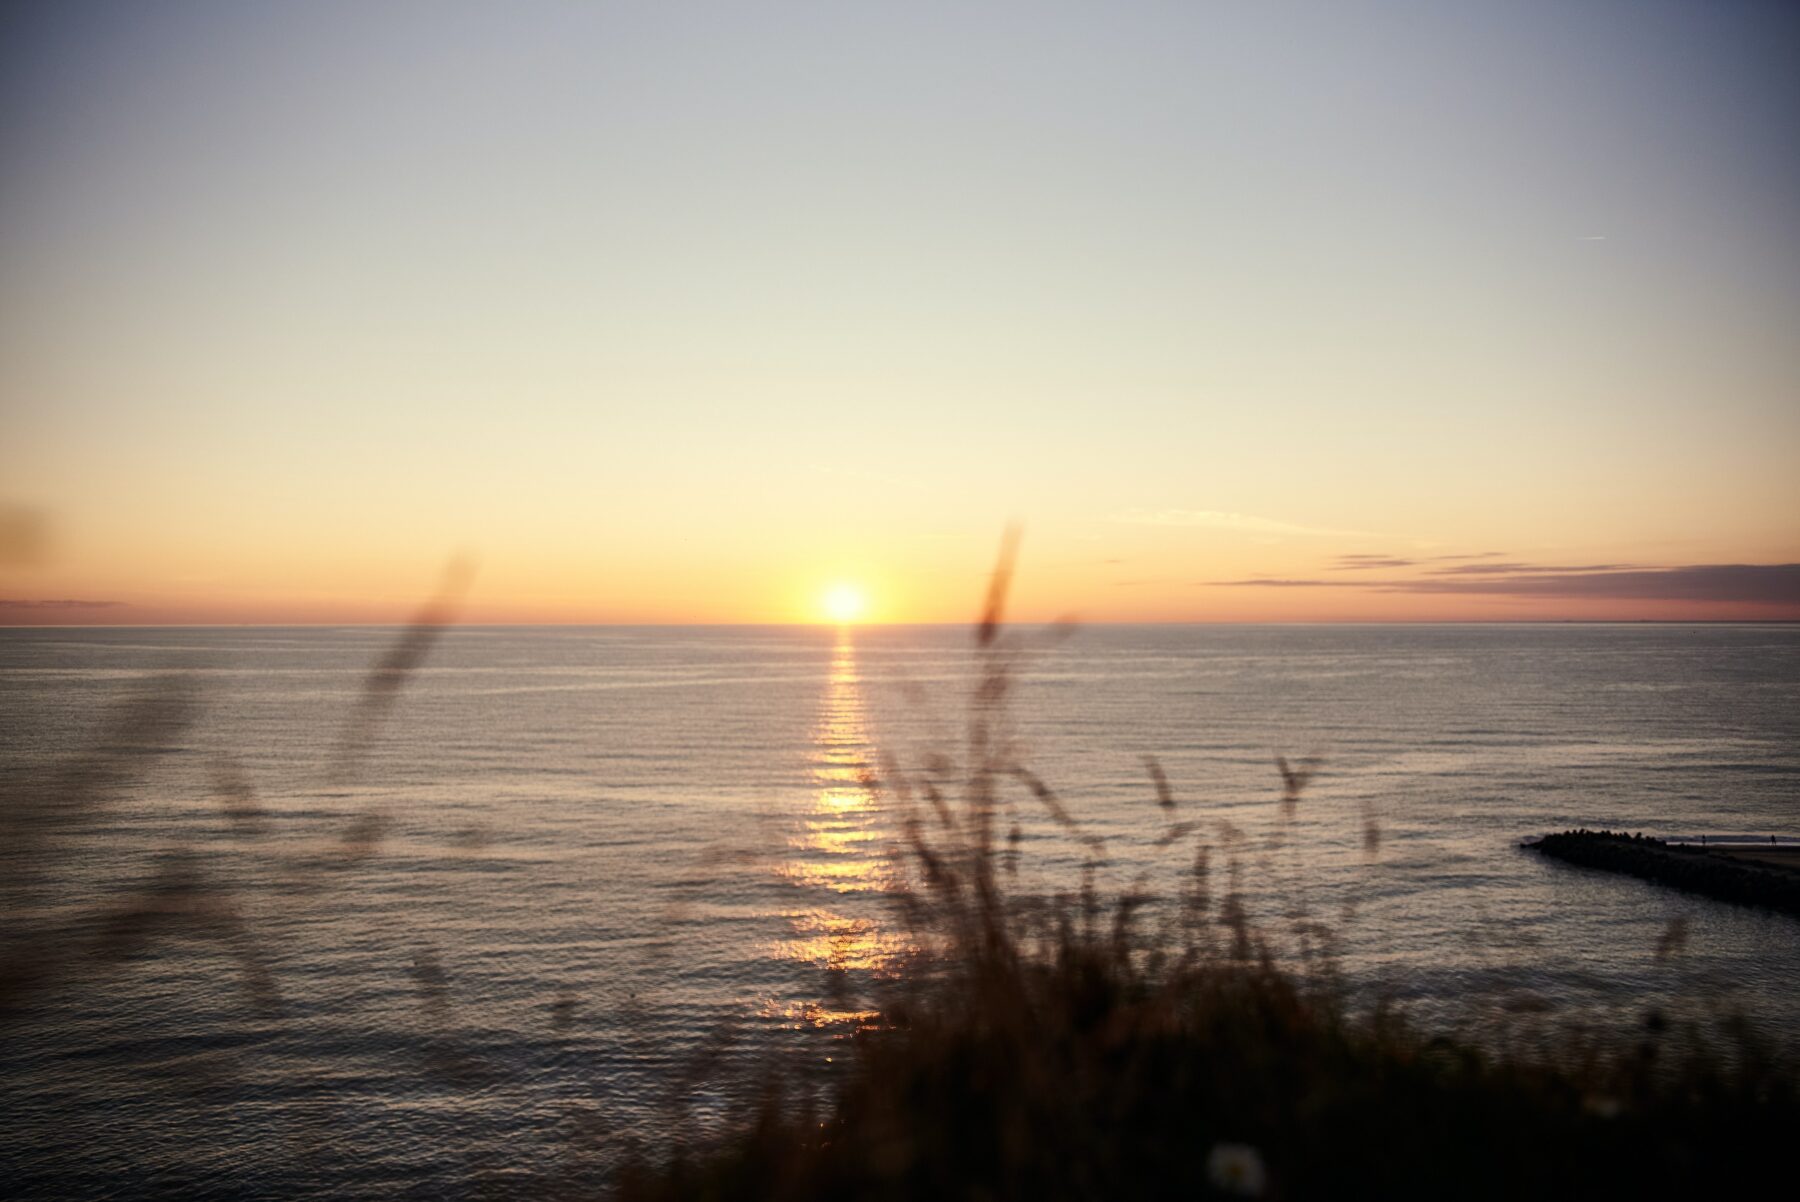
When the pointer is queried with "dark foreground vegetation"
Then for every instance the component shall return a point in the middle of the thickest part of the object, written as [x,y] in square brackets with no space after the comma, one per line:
[1695,869]
[1081,1076]
[1070,1048]
[1051,1054]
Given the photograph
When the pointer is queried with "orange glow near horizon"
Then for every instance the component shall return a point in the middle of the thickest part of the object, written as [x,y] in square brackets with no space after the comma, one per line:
[1123,576]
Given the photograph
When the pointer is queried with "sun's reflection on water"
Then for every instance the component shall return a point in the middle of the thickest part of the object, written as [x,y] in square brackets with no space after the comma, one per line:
[841,846]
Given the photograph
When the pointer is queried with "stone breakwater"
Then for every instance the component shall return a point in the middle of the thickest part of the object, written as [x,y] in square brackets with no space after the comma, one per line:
[1706,871]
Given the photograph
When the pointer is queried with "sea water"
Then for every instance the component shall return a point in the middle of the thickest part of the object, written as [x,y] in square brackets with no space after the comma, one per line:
[445,933]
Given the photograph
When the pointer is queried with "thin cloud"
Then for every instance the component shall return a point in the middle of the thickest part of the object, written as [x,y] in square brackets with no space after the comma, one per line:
[1268,582]
[1356,563]
[1363,562]
[1763,584]
[1241,523]
[1514,569]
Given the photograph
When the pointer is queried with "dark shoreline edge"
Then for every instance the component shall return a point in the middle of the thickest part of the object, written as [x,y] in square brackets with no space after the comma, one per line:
[1692,869]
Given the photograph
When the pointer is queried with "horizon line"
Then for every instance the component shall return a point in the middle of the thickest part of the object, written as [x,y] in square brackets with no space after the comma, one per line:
[398,625]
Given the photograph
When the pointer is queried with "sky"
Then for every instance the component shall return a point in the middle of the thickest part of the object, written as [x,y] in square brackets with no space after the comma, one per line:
[696,312]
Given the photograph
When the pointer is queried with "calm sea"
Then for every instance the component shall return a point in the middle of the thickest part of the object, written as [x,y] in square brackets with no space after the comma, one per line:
[451,938]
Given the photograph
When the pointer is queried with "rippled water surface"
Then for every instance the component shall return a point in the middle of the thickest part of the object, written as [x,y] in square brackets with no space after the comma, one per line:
[488,920]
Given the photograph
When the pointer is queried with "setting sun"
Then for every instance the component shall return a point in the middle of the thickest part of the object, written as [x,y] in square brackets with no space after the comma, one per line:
[844,603]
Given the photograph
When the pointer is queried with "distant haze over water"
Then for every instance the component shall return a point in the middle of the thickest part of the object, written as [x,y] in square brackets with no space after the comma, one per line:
[588,848]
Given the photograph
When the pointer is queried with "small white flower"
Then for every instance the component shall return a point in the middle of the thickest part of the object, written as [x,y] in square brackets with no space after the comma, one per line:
[1237,1169]
[1602,1106]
